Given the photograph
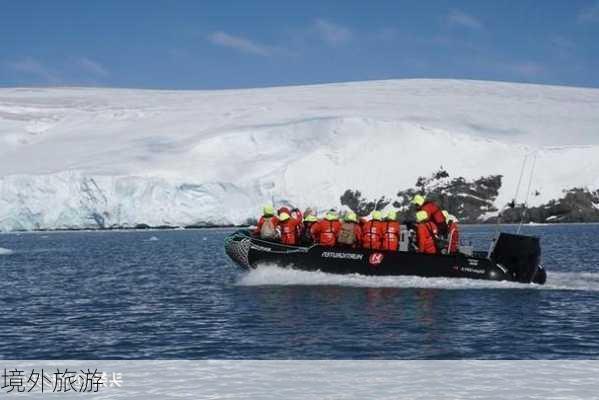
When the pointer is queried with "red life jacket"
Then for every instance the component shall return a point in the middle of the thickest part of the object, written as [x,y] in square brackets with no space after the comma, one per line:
[391,235]
[372,235]
[289,233]
[453,238]
[425,234]
[435,215]
[325,232]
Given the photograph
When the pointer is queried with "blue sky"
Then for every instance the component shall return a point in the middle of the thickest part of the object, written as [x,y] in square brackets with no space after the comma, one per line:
[233,44]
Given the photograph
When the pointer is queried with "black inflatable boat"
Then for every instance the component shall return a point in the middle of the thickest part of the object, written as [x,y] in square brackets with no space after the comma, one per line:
[511,258]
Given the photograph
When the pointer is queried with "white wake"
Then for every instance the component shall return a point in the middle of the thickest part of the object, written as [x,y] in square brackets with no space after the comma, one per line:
[269,275]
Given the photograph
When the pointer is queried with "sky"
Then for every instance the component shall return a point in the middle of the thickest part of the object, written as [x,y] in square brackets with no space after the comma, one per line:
[241,44]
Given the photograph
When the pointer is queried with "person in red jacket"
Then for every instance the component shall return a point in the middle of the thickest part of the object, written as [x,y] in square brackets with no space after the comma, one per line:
[296,214]
[288,229]
[391,232]
[326,230]
[426,234]
[350,233]
[283,210]
[267,225]
[435,214]
[372,232]
[453,236]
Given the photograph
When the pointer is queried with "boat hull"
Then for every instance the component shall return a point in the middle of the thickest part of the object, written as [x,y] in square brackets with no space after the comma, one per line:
[249,252]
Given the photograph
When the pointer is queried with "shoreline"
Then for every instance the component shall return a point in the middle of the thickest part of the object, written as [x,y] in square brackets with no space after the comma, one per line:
[217,227]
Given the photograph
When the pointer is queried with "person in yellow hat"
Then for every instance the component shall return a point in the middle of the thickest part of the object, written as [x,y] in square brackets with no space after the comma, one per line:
[372,232]
[289,229]
[434,212]
[350,233]
[426,234]
[326,230]
[391,229]
[267,225]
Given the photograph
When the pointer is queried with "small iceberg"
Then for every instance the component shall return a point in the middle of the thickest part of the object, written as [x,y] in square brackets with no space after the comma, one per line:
[5,252]
[152,239]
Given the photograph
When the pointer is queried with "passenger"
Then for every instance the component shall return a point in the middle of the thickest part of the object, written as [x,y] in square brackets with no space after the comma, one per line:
[306,238]
[288,229]
[391,231]
[350,232]
[434,212]
[453,237]
[267,225]
[297,215]
[283,210]
[372,232]
[426,234]
[325,231]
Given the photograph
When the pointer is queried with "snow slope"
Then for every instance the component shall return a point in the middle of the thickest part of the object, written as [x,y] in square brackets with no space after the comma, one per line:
[87,157]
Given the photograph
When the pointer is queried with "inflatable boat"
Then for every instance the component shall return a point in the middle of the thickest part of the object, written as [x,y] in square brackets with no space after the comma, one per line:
[511,258]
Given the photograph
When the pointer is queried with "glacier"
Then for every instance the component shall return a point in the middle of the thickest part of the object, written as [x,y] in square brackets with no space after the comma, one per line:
[85,158]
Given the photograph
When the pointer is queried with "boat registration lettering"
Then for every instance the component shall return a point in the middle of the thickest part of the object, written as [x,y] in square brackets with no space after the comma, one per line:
[473,262]
[344,256]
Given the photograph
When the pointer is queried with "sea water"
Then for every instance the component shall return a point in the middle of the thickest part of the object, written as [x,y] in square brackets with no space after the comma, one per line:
[176,295]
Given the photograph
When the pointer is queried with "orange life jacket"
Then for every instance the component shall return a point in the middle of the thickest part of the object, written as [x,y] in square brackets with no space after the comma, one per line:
[372,235]
[325,232]
[289,231]
[453,238]
[435,215]
[426,233]
[390,235]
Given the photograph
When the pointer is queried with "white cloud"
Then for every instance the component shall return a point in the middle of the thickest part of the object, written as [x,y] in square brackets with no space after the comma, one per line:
[589,14]
[239,43]
[332,34]
[31,66]
[91,67]
[460,18]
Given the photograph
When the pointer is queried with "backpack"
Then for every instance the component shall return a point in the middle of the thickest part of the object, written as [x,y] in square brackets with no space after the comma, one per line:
[268,230]
[346,234]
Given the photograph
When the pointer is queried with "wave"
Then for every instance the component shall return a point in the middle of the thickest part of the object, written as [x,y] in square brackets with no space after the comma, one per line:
[5,252]
[267,275]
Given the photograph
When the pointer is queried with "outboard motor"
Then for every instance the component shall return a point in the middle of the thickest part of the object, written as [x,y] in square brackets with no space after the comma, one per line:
[521,256]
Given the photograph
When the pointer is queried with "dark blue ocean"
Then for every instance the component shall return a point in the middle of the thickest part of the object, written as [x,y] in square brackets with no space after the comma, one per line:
[175,295]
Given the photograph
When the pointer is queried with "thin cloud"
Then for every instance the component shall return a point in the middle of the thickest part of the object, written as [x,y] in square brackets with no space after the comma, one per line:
[461,19]
[332,34]
[92,67]
[33,67]
[239,43]
[589,14]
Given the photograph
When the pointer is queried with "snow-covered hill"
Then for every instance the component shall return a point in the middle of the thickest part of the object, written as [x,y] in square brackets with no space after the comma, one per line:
[86,157]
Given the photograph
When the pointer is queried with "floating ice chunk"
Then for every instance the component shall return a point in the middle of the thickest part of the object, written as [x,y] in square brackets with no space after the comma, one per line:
[5,252]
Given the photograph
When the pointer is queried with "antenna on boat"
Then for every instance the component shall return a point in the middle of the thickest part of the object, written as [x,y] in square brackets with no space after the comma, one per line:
[512,204]
[530,179]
